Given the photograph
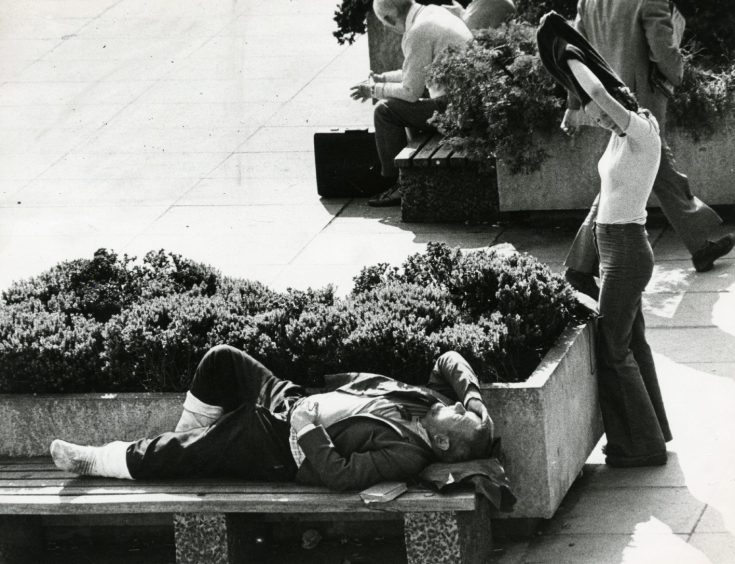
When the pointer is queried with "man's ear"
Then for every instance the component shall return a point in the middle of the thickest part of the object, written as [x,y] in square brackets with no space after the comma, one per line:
[441,441]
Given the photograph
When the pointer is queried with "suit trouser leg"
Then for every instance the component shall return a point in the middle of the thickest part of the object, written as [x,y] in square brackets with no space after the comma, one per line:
[627,390]
[693,220]
[391,117]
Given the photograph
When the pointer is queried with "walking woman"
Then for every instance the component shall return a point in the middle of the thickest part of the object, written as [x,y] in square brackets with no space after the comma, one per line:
[630,399]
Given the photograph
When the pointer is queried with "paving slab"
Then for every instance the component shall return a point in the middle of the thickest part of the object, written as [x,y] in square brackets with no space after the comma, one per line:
[647,548]
[719,548]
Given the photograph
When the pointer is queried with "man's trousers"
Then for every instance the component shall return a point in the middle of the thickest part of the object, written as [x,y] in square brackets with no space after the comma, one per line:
[251,439]
[392,116]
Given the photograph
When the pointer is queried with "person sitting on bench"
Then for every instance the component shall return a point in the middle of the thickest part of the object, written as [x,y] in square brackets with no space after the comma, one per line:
[240,420]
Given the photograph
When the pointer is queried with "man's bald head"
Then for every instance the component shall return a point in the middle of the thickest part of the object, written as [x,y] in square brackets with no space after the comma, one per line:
[392,13]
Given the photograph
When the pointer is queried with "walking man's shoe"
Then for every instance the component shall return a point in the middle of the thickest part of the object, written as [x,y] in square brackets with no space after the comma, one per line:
[705,258]
[391,197]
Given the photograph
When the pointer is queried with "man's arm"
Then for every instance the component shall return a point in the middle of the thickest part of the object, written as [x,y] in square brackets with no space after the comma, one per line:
[384,457]
[663,48]
[453,376]
[418,56]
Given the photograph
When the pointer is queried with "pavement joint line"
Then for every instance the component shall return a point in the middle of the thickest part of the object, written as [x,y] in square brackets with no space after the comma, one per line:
[696,523]
[62,40]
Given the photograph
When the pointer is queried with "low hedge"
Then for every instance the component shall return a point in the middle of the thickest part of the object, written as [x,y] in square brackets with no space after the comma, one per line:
[113,324]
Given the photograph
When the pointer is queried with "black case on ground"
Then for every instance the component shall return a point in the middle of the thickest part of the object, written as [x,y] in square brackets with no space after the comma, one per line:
[344,158]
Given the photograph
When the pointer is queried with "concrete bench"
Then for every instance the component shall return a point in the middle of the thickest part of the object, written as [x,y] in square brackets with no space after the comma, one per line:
[440,184]
[207,514]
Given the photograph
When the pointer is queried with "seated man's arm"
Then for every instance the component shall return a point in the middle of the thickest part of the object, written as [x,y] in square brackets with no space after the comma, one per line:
[418,53]
[389,76]
[383,457]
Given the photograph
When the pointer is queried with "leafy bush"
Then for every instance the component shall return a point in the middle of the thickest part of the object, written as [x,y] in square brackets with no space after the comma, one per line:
[704,99]
[155,320]
[499,95]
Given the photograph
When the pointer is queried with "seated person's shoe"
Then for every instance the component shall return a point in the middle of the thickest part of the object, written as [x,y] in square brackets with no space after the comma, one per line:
[583,282]
[391,197]
[375,183]
[704,259]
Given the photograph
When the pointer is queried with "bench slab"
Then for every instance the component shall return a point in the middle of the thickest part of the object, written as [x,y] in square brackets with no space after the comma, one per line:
[209,515]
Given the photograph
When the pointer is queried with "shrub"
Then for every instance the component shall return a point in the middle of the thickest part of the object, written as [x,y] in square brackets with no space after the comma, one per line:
[704,99]
[501,311]
[44,350]
[499,95]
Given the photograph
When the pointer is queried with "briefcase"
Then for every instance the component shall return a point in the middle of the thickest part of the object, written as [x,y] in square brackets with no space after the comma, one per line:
[347,163]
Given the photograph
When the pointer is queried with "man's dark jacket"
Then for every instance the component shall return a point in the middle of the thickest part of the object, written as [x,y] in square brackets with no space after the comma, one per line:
[362,450]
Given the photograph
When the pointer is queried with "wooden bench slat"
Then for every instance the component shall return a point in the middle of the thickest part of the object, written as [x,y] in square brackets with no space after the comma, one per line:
[229,503]
[441,155]
[405,157]
[423,156]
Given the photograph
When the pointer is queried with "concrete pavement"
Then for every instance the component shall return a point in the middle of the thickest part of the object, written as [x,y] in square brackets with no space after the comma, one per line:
[139,124]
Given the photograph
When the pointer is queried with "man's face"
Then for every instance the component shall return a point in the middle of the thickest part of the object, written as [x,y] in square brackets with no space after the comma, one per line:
[454,419]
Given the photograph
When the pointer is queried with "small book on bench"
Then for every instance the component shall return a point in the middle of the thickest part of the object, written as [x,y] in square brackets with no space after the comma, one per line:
[385,491]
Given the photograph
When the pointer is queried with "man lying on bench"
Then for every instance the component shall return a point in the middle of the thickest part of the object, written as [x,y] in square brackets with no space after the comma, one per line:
[240,420]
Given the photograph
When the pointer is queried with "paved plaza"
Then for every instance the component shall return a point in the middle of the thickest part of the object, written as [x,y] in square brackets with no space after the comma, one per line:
[142,124]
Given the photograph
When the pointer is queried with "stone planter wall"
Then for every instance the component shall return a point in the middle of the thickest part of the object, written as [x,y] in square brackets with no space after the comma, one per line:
[548,424]
[31,422]
[568,179]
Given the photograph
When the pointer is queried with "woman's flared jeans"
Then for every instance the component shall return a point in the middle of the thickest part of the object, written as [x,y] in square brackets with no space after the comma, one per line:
[630,399]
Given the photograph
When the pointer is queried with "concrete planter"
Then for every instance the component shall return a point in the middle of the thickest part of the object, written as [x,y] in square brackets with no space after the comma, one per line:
[568,179]
[549,424]
[384,46]
[31,422]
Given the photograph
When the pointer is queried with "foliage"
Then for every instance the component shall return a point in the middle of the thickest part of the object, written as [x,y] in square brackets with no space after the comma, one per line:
[704,99]
[709,32]
[154,320]
[531,10]
[499,95]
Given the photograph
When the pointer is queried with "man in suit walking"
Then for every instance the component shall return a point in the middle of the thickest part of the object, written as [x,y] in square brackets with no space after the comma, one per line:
[240,420]
[637,37]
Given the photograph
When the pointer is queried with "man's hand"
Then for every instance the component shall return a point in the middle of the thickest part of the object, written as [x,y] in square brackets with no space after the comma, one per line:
[306,413]
[571,121]
[476,406]
[361,92]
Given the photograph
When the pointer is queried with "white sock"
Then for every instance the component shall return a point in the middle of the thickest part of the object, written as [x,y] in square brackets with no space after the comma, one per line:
[111,460]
